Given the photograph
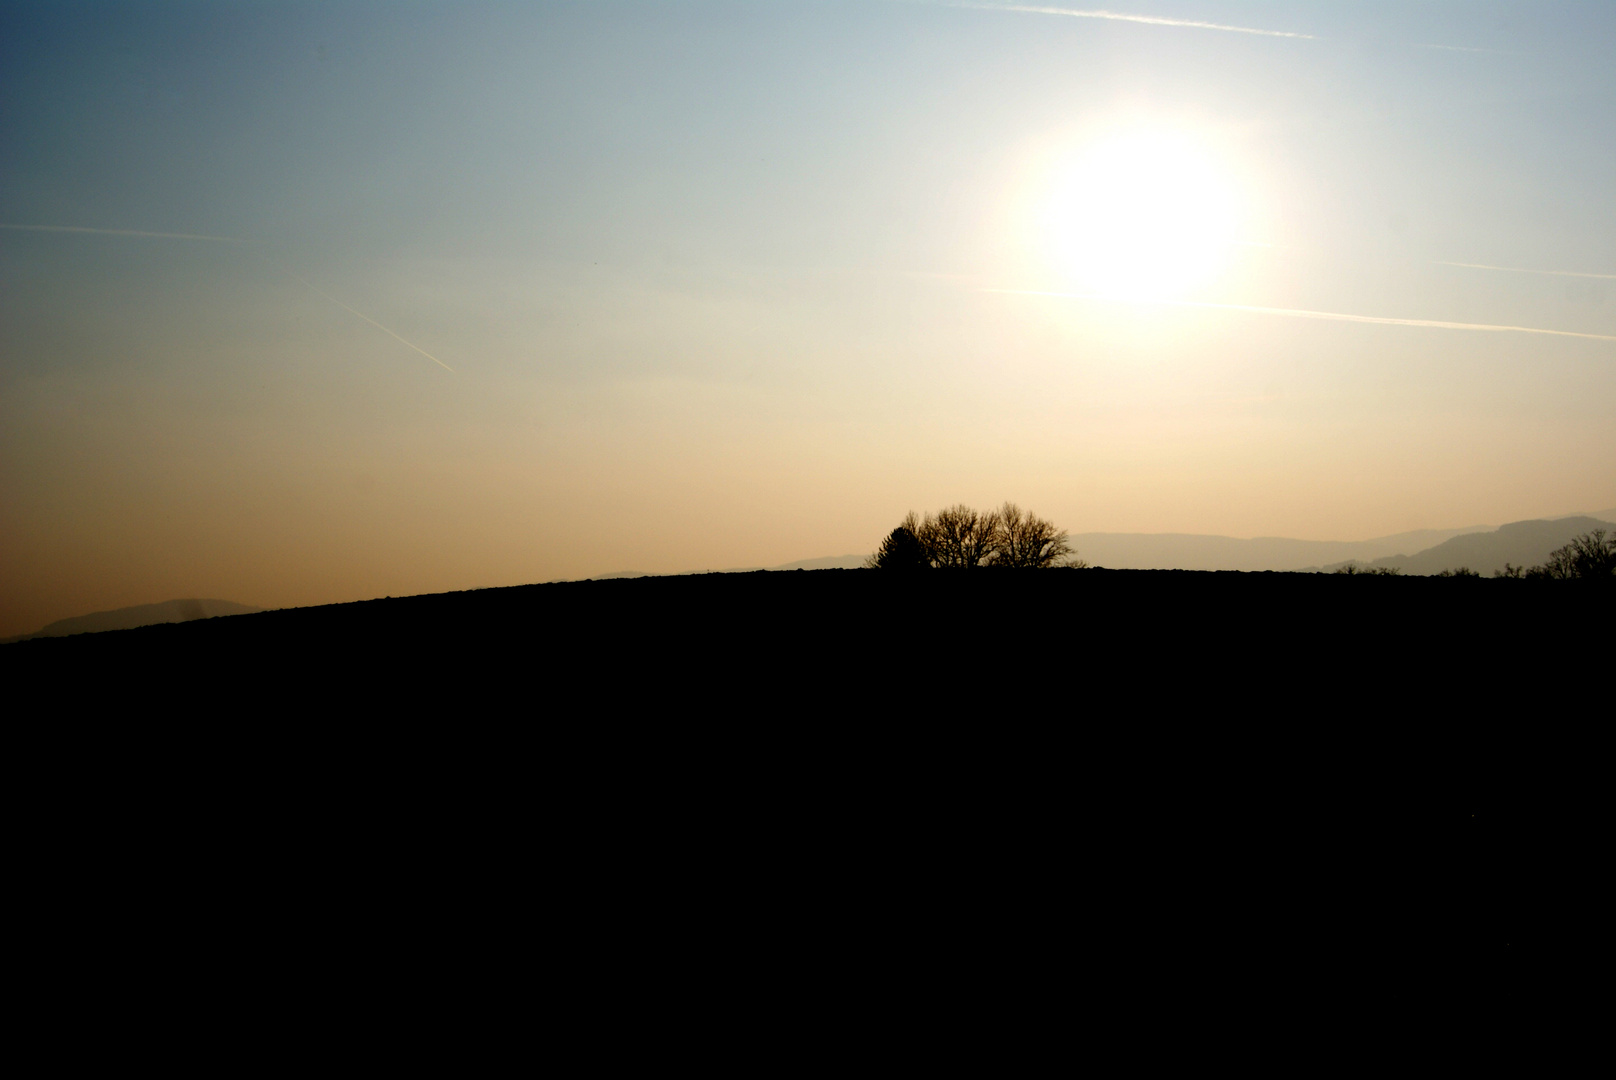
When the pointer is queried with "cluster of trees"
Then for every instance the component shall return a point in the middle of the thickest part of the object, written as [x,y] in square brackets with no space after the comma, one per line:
[1589,557]
[960,538]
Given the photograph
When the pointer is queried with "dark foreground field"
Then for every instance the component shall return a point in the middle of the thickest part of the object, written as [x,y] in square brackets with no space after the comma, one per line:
[850,644]
[1125,785]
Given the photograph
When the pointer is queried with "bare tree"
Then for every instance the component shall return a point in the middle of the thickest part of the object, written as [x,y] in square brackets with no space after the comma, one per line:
[960,538]
[1028,542]
[1589,556]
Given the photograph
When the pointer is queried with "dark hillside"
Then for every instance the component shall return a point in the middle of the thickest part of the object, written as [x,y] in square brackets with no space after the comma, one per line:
[1216,771]
[778,640]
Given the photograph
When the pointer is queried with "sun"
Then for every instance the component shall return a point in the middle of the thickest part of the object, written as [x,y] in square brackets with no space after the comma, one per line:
[1141,213]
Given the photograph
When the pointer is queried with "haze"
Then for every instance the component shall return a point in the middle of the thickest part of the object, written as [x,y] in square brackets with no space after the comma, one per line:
[311,303]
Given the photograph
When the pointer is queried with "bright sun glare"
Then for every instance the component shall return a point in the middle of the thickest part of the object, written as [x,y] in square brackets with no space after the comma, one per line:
[1139,214]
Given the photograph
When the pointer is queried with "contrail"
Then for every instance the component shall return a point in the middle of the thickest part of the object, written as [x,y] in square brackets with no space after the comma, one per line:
[368,319]
[1523,270]
[227,240]
[125,232]
[1153,20]
[1457,48]
[1333,316]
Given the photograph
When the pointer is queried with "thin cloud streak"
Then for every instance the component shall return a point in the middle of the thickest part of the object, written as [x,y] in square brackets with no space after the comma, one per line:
[227,240]
[124,232]
[1523,270]
[1331,316]
[1116,16]
[368,319]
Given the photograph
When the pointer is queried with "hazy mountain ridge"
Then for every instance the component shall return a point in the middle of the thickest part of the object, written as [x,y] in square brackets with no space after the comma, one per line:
[1520,543]
[828,562]
[1204,551]
[1192,551]
[169,611]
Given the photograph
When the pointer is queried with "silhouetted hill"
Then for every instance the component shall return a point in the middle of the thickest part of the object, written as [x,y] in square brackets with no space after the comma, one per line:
[1073,633]
[169,611]
[1520,543]
[1207,764]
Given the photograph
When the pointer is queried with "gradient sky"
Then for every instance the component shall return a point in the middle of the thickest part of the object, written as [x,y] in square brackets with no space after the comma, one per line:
[734,284]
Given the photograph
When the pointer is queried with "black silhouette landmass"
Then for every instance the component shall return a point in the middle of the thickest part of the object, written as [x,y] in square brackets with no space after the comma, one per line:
[1215,775]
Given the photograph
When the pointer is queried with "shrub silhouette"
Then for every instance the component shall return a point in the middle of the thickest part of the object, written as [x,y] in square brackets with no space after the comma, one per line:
[1353,568]
[902,549]
[960,538]
[1463,571]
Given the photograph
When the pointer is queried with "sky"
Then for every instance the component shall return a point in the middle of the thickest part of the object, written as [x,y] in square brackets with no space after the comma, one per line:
[307,303]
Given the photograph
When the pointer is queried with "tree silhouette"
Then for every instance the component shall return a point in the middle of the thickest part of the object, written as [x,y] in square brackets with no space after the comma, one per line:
[1589,557]
[1026,541]
[902,549]
[960,538]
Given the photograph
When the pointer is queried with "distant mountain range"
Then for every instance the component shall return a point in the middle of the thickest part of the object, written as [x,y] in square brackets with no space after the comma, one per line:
[1482,548]
[169,611]
[1522,543]
[829,562]
[1190,551]
[1428,551]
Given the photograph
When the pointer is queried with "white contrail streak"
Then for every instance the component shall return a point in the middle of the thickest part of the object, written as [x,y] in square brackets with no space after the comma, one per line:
[1152,20]
[1523,270]
[1333,316]
[125,232]
[227,240]
[371,321]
